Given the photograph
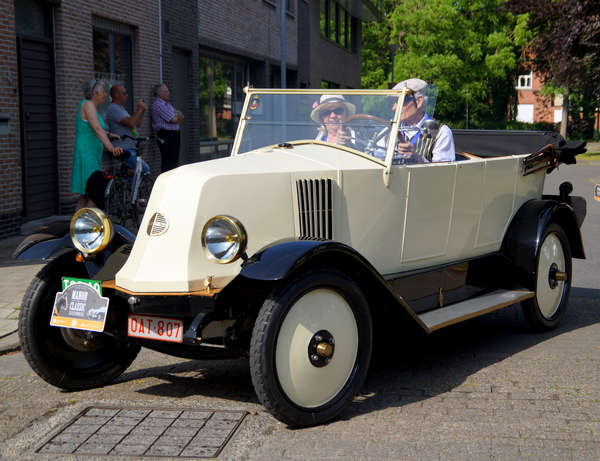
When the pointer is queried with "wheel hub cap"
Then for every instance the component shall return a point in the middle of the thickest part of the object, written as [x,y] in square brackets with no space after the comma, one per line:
[321,348]
[555,276]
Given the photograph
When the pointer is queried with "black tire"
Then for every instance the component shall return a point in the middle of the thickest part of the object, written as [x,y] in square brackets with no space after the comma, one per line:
[296,389]
[115,197]
[547,308]
[143,196]
[59,355]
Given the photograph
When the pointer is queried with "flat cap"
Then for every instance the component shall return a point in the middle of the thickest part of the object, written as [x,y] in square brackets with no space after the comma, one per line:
[415,85]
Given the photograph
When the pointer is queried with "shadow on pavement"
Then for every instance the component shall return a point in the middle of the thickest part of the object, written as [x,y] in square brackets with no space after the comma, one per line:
[410,369]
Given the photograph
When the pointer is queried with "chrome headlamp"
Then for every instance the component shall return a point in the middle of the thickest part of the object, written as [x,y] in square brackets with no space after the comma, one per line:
[224,239]
[91,230]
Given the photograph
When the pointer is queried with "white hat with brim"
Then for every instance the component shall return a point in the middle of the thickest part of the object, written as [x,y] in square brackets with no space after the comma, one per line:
[327,100]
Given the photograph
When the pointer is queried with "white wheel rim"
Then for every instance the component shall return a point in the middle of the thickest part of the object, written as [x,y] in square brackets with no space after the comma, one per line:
[303,383]
[548,298]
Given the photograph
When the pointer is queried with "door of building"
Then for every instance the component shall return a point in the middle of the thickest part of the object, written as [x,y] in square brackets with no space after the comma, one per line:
[37,99]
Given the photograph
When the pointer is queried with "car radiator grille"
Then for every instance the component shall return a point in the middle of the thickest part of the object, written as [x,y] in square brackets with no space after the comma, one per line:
[314,208]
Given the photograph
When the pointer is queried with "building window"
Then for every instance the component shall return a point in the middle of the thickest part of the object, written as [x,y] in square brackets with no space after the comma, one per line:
[524,81]
[325,85]
[113,57]
[337,25]
[221,96]
[525,113]
[33,18]
[289,6]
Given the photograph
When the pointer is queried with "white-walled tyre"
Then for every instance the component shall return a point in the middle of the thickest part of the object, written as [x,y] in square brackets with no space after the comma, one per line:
[553,275]
[310,348]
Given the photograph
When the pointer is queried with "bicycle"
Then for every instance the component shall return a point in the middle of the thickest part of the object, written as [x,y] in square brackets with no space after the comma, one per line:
[126,198]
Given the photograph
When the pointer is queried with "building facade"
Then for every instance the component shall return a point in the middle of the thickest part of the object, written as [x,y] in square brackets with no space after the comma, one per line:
[532,107]
[205,51]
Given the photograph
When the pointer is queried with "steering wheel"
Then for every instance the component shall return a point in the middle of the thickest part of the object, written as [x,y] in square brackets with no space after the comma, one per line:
[369,121]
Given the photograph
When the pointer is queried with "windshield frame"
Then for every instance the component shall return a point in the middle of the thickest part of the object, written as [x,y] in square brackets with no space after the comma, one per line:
[393,125]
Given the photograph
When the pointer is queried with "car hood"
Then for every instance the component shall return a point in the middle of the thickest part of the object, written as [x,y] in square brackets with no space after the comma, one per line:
[257,188]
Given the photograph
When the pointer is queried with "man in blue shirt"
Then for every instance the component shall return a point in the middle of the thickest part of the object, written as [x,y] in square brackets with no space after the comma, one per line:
[120,123]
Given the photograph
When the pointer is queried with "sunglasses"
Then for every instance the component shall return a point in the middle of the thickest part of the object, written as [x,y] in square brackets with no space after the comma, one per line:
[408,99]
[336,111]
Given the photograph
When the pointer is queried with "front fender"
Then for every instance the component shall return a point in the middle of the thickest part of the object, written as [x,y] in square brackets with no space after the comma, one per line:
[47,241]
[276,261]
[286,259]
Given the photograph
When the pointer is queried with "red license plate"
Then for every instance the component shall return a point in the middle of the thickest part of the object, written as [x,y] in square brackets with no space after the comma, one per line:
[161,329]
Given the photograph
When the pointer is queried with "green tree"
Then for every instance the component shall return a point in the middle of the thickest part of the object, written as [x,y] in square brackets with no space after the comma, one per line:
[466,47]
[376,37]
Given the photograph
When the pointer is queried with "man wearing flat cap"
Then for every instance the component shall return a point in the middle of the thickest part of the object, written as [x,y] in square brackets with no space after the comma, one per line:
[433,142]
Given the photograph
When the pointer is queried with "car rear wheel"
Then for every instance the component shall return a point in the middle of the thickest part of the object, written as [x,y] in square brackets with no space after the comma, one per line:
[310,348]
[64,357]
[552,281]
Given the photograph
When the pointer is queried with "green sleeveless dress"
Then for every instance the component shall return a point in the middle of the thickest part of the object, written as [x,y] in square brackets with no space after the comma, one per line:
[87,155]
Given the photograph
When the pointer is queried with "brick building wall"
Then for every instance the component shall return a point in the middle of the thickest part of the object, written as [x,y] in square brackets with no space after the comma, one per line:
[10,143]
[544,107]
[329,61]
[250,28]
[74,65]
[179,33]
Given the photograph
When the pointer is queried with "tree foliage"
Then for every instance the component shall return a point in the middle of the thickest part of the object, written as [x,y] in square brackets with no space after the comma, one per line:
[566,48]
[466,47]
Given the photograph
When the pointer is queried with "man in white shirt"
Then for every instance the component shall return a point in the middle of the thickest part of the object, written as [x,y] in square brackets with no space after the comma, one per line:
[414,148]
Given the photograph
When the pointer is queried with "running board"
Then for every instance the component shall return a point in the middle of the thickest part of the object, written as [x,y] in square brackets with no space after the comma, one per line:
[455,313]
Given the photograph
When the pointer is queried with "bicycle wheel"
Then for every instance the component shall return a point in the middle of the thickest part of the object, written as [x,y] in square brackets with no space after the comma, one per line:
[143,196]
[115,199]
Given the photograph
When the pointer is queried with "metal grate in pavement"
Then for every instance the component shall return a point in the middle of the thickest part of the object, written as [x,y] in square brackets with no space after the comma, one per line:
[145,432]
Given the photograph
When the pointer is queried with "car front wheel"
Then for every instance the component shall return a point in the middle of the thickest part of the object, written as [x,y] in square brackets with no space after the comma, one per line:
[67,358]
[310,348]
[553,275]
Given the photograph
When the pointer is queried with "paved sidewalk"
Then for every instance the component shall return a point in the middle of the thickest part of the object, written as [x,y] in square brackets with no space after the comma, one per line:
[15,277]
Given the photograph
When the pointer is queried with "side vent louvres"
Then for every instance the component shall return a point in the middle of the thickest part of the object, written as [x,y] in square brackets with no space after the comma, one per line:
[315,208]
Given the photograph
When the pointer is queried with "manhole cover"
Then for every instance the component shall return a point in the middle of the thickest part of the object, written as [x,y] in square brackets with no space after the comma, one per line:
[145,432]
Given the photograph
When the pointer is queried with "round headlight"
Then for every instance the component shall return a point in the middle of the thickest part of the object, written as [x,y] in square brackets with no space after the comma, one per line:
[224,239]
[91,230]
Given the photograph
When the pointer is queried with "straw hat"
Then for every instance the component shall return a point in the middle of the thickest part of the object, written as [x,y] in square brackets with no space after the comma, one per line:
[326,101]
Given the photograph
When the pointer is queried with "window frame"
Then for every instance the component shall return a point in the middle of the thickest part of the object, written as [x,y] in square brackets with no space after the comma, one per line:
[106,26]
[527,76]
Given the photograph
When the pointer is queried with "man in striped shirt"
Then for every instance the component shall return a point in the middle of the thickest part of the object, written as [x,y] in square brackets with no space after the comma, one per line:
[165,122]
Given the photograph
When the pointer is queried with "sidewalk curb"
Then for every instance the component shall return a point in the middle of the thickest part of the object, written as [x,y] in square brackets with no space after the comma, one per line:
[10,343]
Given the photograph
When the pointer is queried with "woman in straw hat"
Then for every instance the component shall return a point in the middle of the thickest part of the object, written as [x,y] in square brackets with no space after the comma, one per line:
[331,112]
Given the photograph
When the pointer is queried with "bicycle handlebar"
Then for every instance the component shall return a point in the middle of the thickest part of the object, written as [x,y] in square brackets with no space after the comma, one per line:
[139,139]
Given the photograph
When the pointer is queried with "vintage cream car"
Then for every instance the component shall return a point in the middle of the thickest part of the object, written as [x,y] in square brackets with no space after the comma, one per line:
[299,253]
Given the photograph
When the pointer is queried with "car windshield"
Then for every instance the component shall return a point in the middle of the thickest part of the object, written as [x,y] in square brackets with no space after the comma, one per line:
[272,117]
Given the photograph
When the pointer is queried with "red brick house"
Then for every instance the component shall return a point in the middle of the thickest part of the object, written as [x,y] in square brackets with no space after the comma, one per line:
[531,106]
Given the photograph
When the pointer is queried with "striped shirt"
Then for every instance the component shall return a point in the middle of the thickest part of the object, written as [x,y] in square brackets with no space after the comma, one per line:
[161,113]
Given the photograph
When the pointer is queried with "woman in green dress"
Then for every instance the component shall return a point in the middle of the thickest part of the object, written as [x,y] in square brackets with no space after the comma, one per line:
[90,137]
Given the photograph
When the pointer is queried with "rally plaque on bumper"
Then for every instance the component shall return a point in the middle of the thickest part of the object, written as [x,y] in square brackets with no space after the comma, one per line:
[80,305]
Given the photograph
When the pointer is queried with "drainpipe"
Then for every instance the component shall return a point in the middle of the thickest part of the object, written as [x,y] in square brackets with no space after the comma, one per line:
[283,57]
[160,55]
